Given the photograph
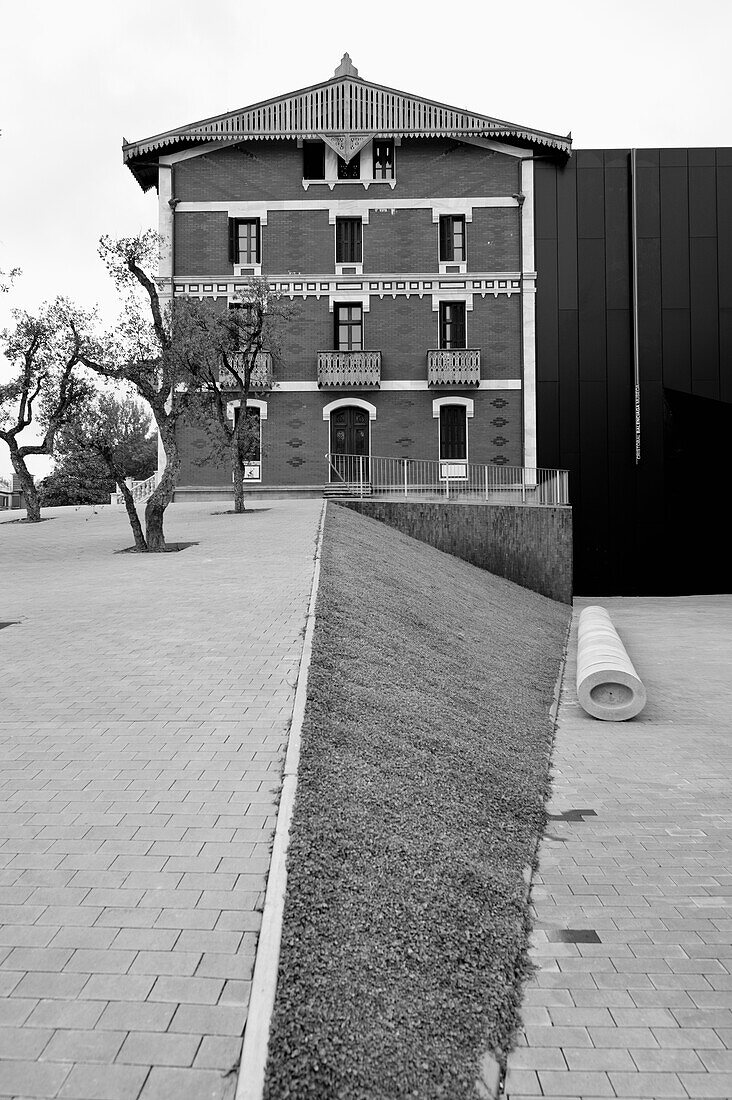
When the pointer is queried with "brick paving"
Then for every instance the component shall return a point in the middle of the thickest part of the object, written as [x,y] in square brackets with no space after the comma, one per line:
[644,1007]
[144,709]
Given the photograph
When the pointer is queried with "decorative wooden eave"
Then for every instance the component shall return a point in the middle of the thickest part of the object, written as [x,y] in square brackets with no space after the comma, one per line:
[345,111]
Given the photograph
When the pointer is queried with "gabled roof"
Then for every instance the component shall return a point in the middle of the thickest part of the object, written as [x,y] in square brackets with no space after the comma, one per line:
[344,105]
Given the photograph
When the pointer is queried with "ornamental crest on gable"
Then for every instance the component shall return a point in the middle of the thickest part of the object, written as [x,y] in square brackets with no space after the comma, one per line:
[346,145]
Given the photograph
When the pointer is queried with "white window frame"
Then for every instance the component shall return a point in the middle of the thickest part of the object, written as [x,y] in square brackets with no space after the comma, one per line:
[254,271]
[453,470]
[353,268]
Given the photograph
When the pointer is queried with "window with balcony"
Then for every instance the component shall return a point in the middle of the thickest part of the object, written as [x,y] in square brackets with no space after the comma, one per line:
[244,242]
[348,327]
[452,325]
[350,170]
[383,159]
[452,238]
[313,160]
[348,241]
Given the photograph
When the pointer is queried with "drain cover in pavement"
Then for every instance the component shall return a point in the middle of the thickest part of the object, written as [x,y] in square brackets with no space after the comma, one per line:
[573,935]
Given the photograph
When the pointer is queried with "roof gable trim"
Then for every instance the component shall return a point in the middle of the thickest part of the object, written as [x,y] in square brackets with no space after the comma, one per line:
[345,106]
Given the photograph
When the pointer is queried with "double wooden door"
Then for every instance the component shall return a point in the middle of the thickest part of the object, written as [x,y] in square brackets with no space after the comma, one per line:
[349,444]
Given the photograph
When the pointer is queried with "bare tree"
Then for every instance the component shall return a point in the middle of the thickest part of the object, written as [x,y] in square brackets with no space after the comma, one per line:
[162,348]
[47,387]
[248,342]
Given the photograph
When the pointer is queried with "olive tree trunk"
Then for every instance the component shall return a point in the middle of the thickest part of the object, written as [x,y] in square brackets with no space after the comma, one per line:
[161,498]
[237,467]
[31,495]
[133,517]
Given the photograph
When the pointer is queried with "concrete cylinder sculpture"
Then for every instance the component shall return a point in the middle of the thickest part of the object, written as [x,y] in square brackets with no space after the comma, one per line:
[608,687]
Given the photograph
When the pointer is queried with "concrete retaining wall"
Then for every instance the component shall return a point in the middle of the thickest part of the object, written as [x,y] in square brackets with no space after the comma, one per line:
[528,545]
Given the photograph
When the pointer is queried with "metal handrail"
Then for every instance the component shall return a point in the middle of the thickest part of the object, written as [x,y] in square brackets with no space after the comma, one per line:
[367,475]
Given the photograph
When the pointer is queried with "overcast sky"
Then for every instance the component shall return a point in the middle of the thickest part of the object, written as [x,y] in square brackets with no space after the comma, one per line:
[76,77]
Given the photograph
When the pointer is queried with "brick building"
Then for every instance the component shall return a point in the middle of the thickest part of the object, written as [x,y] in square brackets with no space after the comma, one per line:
[404,231]
[471,294]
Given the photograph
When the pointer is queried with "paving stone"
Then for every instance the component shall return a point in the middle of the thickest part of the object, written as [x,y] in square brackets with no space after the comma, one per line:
[166,962]
[552,1036]
[226,966]
[143,1048]
[107,961]
[235,993]
[144,939]
[56,985]
[102,1082]
[32,1079]
[199,991]
[23,1042]
[706,1085]
[655,1086]
[83,1046]
[538,1058]
[575,1083]
[209,1020]
[190,1084]
[65,1014]
[599,1059]
[523,1081]
[136,1015]
[218,1052]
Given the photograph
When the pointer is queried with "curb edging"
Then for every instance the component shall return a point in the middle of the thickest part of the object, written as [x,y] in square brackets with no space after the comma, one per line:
[250,1083]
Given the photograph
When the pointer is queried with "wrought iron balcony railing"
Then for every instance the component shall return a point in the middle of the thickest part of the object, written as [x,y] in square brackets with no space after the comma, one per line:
[456,367]
[261,378]
[349,368]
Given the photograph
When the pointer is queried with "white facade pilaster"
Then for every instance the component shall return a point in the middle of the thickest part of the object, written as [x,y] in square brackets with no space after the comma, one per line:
[528,302]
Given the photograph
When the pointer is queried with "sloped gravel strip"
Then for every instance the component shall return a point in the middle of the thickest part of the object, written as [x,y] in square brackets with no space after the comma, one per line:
[421,789]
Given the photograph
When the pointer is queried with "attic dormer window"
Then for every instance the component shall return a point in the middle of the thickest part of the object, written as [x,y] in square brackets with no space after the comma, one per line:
[383,159]
[313,160]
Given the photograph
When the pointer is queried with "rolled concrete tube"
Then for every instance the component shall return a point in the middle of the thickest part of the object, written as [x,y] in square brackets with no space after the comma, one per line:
[608,687]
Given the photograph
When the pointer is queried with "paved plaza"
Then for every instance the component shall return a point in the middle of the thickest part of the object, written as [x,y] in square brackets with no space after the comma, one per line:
[145,706]
[633,900]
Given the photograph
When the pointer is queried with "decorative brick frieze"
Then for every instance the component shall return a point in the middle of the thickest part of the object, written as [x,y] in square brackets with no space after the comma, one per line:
[318,286]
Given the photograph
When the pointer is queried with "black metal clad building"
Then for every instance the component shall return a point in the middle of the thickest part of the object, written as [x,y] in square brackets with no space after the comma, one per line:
[634,362]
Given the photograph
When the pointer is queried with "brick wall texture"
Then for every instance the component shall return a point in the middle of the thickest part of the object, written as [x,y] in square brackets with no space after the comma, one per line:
[530,546]
[401,241]
[404,330]
[295,438]
[261,170]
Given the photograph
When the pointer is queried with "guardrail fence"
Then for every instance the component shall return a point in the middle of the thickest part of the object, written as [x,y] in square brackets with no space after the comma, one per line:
[369,475]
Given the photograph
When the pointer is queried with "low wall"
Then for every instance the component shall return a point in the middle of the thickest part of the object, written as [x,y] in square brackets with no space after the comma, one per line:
[528,545]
